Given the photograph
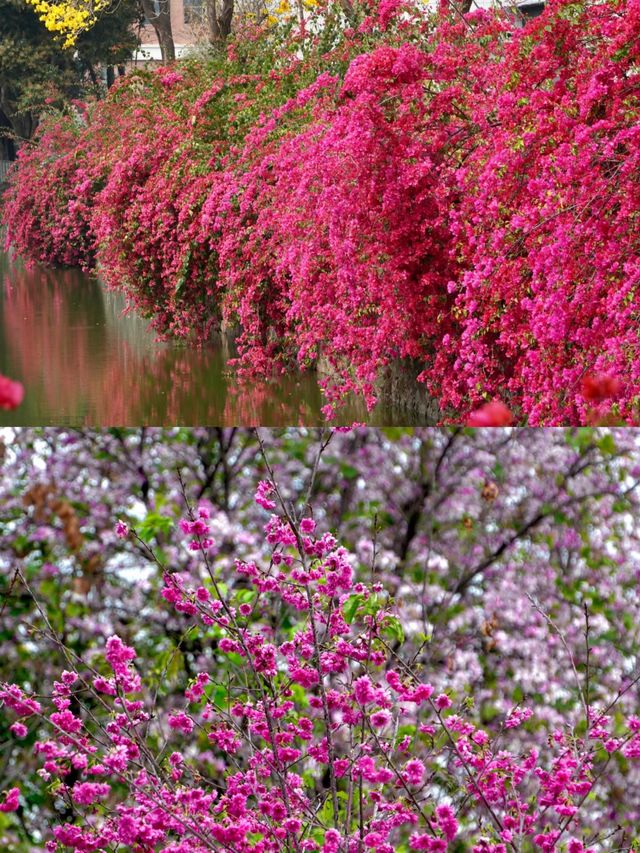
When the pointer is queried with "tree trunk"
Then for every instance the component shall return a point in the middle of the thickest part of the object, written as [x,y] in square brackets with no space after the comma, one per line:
[21,124]
[161,23]
[7,146]
[219,25]
[461,7]
[92,73]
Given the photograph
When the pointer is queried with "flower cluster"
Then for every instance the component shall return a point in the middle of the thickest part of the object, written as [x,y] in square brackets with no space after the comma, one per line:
[198,528]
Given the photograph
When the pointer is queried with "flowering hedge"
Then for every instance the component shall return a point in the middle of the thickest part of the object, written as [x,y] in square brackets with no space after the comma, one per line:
[460,192]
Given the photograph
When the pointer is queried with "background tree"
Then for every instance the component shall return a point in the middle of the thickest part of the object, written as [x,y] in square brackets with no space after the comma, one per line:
[495,545]
[158,13]
[36,73]
[508,556]
[112,40]
[32,69]
[70,19]
[220,18]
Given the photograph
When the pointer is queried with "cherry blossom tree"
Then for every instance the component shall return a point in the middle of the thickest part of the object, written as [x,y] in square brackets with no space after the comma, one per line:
[496,567]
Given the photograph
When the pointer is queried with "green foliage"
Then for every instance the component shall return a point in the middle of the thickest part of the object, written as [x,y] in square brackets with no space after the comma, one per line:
[37,75]
[154,524]
[392,629]
[350,607]
[114,37]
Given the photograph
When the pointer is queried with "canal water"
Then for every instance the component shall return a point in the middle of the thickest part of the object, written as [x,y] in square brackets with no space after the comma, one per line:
[84,362]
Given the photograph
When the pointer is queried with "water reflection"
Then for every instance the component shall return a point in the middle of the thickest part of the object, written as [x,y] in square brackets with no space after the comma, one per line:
[83,363]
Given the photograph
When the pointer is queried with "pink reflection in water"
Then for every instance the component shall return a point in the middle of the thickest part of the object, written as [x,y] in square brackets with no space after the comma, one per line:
[83,363]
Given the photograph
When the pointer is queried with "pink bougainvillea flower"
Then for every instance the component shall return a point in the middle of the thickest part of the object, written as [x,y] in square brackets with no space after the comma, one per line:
[11,393]
[11,800]
[494,414]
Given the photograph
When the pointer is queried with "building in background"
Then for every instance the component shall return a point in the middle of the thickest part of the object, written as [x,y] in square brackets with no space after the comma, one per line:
[188,26]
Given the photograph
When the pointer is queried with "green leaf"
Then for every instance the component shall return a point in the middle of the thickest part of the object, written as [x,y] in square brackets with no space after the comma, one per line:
[174,666]
[184,272]
[245,596]
[219,696]
[153,524]
[607,444]
[348,471]
[393,629]
[395,433]
[372,605]
[351,606]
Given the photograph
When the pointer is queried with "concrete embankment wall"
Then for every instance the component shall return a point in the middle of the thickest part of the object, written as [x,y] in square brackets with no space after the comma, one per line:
[5,165]
[404,398]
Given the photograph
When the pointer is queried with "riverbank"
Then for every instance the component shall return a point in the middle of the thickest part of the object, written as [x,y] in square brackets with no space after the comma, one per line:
[84,362]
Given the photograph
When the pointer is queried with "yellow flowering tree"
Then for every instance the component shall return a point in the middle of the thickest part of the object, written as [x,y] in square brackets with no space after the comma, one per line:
[284,9]
[68,18]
